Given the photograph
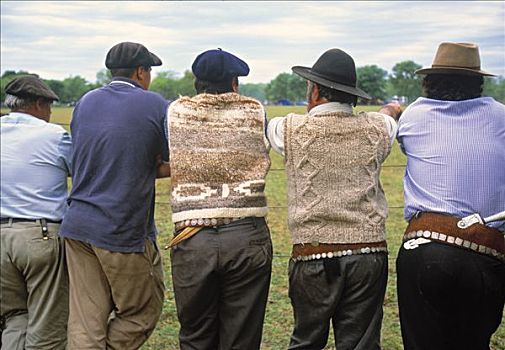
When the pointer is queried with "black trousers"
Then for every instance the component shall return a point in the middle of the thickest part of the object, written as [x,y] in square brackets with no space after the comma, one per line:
[221,279]
[347,292]
[449,298]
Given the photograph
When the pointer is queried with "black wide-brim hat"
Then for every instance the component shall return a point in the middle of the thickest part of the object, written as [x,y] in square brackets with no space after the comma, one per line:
[335,70]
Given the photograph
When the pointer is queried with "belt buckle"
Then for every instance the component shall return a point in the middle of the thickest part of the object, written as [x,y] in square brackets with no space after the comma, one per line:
[415,243]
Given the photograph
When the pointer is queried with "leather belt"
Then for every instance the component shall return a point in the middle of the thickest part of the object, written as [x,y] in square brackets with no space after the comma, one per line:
[443,229]
[13,220]
[204,222]
[314,251]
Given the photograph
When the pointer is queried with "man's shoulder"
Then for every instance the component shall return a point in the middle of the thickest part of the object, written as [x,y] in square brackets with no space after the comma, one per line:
[209,101]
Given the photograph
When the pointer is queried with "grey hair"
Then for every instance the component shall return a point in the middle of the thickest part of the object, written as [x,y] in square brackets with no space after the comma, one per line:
[15,102]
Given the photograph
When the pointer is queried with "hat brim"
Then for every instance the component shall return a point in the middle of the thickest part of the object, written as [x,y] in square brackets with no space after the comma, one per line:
[155,60]
[306,72]
[452,70]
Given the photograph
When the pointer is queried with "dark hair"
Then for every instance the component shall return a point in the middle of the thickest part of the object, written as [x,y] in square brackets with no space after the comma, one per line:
[452,87]
[336,96]
[211,87]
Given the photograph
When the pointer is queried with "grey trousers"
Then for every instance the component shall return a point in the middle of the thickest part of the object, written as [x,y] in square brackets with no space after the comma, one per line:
[347,291]
[33,288]
[116,298]
[221,278]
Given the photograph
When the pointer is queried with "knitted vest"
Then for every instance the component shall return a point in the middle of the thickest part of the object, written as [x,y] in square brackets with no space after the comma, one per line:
[218,157]
[333,166]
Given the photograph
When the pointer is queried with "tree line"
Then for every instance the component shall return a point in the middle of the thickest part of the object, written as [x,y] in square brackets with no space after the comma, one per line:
[376,81]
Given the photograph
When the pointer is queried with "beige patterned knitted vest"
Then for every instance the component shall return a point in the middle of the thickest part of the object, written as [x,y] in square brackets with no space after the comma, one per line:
[218,157]
[333,164]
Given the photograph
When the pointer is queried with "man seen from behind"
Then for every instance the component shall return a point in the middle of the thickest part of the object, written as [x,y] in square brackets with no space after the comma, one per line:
[35,163]
[116,277]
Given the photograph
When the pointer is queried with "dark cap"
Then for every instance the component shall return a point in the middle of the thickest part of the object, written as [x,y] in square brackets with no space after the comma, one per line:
[30,86]
[335,69]
[218,65]
[130,55]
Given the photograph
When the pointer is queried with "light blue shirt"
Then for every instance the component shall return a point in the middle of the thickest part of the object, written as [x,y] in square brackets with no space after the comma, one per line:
[455,157]
[34,168]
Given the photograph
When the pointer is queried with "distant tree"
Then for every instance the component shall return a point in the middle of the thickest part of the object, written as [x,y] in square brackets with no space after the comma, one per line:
[11,73]
[57,86]
[286,86]
[164,84]
[372,80]
[297,88]
[185,86]
[74,87]
[404,81]
[171,86]
[256,91]
[103,77]
[495,87]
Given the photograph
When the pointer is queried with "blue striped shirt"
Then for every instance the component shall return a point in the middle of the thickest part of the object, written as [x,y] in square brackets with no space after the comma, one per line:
[455,157]
[35,165]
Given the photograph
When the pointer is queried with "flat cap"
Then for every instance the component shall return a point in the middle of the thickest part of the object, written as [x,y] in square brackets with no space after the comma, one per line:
[30,86]
[130,55]
[218,65]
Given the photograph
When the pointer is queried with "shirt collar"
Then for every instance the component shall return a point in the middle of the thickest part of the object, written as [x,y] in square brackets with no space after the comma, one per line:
[331,107]
[125,81]
[20,117]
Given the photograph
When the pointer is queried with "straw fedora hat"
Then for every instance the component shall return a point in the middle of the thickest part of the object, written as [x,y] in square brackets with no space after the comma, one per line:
[334,69]
[456,58]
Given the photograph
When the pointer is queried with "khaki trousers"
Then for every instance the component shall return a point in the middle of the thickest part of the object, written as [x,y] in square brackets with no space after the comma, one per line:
[115,298]
[33,287]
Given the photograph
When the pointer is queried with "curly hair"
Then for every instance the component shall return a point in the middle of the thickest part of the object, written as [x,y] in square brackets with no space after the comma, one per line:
[449,87]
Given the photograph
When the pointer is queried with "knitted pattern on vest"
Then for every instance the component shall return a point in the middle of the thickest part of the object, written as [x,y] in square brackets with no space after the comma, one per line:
[218,157]
[333,166]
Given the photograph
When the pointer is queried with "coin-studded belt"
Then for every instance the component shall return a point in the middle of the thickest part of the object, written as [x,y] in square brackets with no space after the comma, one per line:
[204,222]
[314,251]
[443,228]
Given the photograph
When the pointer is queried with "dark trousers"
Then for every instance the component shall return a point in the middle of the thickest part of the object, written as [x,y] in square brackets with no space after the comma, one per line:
[221,278]
[449,298]
[348,292]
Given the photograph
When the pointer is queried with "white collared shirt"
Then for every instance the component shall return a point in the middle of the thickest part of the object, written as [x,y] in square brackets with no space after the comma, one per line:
[275,130]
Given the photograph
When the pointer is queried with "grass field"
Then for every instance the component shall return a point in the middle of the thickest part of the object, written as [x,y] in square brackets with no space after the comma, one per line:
[279,319]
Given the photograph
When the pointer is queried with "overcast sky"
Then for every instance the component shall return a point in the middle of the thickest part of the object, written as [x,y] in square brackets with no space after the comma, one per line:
[60,39]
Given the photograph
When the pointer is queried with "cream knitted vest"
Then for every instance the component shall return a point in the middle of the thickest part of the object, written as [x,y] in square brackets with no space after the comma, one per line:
[333,166]
[218,157]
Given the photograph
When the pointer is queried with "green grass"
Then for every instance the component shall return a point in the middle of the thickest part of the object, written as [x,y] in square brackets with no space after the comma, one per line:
[279,317]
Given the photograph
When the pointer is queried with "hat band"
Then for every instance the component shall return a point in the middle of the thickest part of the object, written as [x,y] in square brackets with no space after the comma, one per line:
[464,67]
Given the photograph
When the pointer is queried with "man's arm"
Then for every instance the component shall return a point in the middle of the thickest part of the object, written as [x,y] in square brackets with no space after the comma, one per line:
[392,109]
[275,134]
[162,167]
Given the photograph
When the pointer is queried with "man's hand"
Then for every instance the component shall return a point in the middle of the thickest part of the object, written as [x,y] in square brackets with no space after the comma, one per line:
[393,109]
[162,168]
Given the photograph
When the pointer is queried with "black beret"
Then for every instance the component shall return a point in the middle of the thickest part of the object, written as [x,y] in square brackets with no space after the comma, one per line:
[130,55]
[218,65]
[30,86]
